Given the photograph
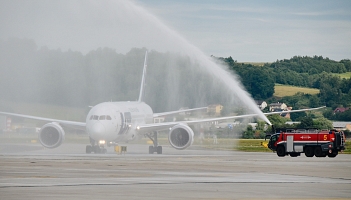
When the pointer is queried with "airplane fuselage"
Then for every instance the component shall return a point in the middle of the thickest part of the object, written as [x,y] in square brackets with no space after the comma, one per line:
[116,121]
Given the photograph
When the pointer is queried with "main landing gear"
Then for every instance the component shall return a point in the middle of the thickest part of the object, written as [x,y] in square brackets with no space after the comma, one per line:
[94,148]
[155,148]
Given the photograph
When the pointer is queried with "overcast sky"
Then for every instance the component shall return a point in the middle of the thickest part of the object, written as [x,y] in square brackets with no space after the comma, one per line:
[259,31]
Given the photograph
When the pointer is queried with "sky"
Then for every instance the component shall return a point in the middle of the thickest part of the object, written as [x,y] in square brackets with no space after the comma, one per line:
[248,31]
[256,30]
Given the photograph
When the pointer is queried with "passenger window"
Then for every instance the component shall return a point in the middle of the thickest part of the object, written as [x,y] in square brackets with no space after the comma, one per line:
[108,117]
[102,117]
[96,117]
[91,117]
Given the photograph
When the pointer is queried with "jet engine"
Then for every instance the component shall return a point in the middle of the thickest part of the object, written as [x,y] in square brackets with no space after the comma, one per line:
[181,136]
[51,135]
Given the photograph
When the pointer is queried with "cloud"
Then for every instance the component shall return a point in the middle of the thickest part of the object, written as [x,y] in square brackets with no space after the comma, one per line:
[218,28]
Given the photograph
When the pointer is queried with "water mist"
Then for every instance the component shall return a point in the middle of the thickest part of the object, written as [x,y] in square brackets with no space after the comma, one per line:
[184,47]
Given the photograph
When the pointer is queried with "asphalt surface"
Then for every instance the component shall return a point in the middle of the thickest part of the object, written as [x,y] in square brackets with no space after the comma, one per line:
[29,171]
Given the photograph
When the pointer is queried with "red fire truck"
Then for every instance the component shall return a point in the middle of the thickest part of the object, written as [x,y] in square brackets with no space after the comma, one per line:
[312,142]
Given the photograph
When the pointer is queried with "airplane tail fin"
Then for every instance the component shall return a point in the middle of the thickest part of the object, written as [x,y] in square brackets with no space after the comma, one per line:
[142,86]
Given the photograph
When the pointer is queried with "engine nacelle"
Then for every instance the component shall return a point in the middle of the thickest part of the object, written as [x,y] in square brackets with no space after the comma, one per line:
[51,135]
[181,136]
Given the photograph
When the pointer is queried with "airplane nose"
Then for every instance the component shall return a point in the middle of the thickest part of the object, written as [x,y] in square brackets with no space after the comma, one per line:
[97,130]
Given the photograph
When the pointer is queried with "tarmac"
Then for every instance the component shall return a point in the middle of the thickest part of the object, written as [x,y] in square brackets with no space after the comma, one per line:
[29,171]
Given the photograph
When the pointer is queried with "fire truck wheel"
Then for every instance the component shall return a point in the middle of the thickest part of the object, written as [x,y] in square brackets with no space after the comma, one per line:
[281,151]
[318,152]
[333,155]
[309,152]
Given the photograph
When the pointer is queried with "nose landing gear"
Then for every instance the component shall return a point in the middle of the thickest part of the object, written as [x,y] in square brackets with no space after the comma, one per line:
[95,148]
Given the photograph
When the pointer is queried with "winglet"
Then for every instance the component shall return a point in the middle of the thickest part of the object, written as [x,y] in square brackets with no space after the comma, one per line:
[142,86]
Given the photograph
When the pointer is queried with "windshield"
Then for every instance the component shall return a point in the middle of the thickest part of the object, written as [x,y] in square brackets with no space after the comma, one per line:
[274,138]
[101,117]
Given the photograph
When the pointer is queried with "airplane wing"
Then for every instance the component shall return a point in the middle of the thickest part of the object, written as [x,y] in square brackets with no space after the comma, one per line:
[167,125]
[292,111]
[73,124]
[178,111]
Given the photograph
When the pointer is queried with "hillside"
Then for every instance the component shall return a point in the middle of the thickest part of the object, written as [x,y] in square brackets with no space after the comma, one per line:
[288,90]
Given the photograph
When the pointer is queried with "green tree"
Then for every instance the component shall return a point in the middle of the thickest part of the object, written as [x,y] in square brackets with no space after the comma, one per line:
[329,114]
[347,64]
[296,116]
[306,122]
[248,133]
[322,123]
[314,101]
[277,120]
[347,133]
[344,116]
[260,125]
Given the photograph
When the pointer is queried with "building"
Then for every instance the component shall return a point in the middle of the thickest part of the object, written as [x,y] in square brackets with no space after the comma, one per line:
[159,119]
[214,110]
[292,123]
[340,110]
[261,104]
[277,107]
[342,125]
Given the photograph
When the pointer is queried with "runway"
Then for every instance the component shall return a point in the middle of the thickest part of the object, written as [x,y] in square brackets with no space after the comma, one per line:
[28,171]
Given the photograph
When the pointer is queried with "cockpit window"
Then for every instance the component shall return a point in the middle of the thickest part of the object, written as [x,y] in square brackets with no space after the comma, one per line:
[101,117]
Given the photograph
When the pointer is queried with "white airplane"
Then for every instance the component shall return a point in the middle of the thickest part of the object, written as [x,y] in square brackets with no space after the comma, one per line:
[110,123]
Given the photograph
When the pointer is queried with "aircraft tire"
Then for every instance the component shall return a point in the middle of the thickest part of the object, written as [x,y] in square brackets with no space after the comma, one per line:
[151,150]
[97,149]
[88,149]
[159,150]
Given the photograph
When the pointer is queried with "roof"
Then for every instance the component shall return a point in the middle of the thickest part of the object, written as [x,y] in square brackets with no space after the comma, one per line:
[340,109]
[276,104]
[340,124]
[259,102]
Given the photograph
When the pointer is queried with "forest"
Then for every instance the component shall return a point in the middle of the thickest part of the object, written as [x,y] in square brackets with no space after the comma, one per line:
[41,75]
[68,78]
[313,72]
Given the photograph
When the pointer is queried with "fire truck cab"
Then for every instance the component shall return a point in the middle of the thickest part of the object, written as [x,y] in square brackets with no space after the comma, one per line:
[312,142]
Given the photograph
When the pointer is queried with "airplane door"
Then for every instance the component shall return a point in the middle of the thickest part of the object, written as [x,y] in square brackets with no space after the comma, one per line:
[126,119]
[123,124]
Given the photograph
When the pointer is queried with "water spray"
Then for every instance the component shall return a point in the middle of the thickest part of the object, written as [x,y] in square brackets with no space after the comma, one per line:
[213,68]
